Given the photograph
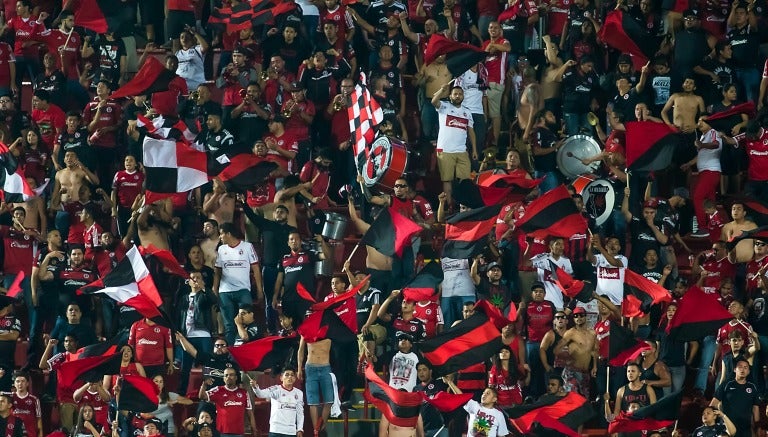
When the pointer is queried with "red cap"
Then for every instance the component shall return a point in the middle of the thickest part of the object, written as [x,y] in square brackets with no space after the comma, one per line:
[579,310]
[651,203]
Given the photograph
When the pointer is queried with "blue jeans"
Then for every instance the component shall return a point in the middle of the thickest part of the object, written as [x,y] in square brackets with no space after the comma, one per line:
[537,387]
[707,353]
[229,303]
[749,78]
[678,379]
[550,182]
[481,128]
[451,307]
[574,123]
[201,344]
[318,384]
[269,276]
[429,119]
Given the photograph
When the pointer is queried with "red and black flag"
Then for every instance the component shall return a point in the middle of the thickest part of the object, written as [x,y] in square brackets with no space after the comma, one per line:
[563,414]
[164,258]
[129,283]
[662,414]
[466,233]
[90,369]
[401,408]
[621,32]
[16,189]
[698,314]
[137,394]
[424,285]
[102,348]
[459,57]
[152,77]
[245,171]
[760,234]
[638,287]
[268,15]
[519,187]
[447,402]
[623,347]
[473,196]
[756,210]
[573,288]
[724,121]
[391,232]
[334,318]
[89,13]
[15,288]
[343,305]
[650,145]
[264,353]
[553,214]
[471,341]
[235,18]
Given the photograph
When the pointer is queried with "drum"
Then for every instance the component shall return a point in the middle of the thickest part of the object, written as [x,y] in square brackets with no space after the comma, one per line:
[386,162]
[599,196]
[335,226]
[574,148]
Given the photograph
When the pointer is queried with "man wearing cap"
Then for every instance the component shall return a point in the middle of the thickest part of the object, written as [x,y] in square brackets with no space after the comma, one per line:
[580,84]
[234,78]
[299,113]
[738,399]
[578,349]
[628,96]
[492,287]
[406,322]
[402,368]
[691,43]
[282,144]
[646,234]
[536,320]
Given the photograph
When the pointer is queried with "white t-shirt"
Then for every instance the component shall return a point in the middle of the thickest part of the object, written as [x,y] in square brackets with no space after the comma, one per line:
[610,279]
[189,321]
[709,159]
[402,371]
[308,8]
[287,409]
[493,417]
[456,278]
[191,66]
[235,263]
[473,96]
[454,125]
[553,292]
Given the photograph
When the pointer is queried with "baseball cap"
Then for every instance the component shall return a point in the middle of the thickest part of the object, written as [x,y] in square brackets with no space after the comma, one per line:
[493,265]
[296,86]
[691,13]
[537,284]
[404,336]
[624,59]
[651,203]
[579,310]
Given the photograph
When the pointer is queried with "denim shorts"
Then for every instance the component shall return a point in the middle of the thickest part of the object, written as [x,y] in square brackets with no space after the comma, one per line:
[318,384]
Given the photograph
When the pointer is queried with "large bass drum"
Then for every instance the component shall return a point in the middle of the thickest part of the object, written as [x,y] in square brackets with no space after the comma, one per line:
[575,148]
[387,161]
[599,196]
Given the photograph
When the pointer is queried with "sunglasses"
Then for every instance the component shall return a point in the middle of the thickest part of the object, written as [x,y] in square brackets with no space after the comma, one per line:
[401,186]
[559,317]
[217,346]
[579,315]
[759,244]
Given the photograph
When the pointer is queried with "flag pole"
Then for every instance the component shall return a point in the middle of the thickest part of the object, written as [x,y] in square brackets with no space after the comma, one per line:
[608,378]
[344,270]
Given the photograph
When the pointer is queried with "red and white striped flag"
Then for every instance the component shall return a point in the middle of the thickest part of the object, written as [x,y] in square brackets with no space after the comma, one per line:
[364,114]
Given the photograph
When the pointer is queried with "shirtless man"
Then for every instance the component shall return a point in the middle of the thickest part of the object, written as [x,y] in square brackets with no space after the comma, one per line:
[318,385]
[378,265]
[69,179]
[211,241]
[431,78]
[550,80]
[219,204]
[36,217]
[287,197]
[578,348]
[552,338]
[744,249]
[687,108]
[154,222]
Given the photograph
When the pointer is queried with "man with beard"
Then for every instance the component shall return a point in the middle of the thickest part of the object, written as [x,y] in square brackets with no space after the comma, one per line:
[544,147]
[636,391]
[214,363]
[296,267]
[13,121]
[455,126]
[195,109]
[153,223]
[318,174]
[274,235]
[69,277]
[210,242]
[578,348]
[250,118]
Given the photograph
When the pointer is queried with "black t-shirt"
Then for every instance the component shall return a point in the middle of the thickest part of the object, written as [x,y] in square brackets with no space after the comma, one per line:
[109,54]
[736,402]
[8,324]
[274,237]
[430,415]
[499,295]
[545,139]
[725,73]
[716,430]
[745,42]
[365,302]
[625,105]
[578,90]
[76,141]
[643,239]
[214,366]
[690,48]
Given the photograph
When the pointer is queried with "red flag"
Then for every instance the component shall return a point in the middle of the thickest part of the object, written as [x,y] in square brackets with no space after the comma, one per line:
[264,353]
[571,287]
[571,411]
[644,291]
[510,12]
[471,195]
[399,407]
[15,287]
[90,369]
[621,32]
[553,214]
[424,285]
[459,57]
[165,258]
[466,233]
[246,170]
[447,402]
[344,305]
[152,77]
[138,394]
[698,314]
[662,414]
[391,232]
[623,347]
[649,145]
[88,14]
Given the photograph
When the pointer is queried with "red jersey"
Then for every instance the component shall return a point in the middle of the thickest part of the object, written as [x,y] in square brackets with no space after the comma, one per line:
[92,239]
[430,315]
[509,391]
[603,331]
[51,123]
[181,5]
[557,15]
[295,124]
[274,92]
[106,260]
[496,63]
[753,266]
[27,409]
[538,319]
[403,206]
[423,207]
[286,141]
[716,271]
[231,405]
[757,152]
[19,253]
[55,39]
[63,394]
[110,115]
[6,57]
[76,227]
[128,186]
[715,223]
[723,333]
[149,342]
[25,30]
[35,162]
[341,17]
[261,194]
[319,177]
[100,407]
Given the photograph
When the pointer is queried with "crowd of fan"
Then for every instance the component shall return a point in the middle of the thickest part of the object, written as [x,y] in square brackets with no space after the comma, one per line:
[285,86]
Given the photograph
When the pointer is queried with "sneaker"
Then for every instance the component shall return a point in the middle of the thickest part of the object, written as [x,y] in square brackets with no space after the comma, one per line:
[347,405]
[700,234]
